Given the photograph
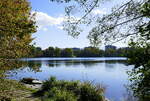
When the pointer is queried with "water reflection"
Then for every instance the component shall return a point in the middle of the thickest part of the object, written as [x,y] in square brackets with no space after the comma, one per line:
[111,73]
[9,65]
[36,66]
[128,96]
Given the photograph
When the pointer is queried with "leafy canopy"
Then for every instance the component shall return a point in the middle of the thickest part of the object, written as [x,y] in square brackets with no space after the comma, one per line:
[16,28]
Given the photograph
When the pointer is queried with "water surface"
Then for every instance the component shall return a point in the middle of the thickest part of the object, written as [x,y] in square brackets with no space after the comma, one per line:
[111,72]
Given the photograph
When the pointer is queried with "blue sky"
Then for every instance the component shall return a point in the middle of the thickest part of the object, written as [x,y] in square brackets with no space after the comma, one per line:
[49,17]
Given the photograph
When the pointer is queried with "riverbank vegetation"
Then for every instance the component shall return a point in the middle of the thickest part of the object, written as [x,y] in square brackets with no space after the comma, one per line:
[61,90]
[11,90]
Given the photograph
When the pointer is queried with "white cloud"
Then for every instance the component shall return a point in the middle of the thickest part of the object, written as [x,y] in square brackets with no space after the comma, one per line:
[43,20]
[45,29]
[98,11]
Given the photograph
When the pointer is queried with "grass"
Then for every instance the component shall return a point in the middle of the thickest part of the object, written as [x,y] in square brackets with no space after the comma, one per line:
[11,90]
[52,90]
[61,90]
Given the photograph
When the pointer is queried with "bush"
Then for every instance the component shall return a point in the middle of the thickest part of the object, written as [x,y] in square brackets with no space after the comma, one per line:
[61,90]
[55,94]
[91,93]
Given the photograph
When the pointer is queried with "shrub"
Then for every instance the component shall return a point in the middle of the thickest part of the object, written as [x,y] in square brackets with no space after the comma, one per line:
[55,94]
[61,90]
[90,93]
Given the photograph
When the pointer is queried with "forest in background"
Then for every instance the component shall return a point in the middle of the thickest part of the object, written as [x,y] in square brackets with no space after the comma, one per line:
[110,51]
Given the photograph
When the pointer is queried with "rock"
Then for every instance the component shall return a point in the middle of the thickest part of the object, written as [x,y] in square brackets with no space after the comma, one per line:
[37,82]
[27,80]
[31,81]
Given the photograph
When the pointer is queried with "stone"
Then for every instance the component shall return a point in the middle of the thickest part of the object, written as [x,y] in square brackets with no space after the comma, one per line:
[31,81]
[37,82]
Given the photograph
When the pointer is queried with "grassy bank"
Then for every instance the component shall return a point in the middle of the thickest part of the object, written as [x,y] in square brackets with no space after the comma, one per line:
[61,90]
[11,90]
[52,90]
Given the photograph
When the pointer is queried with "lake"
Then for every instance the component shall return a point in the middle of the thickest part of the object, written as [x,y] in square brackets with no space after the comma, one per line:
[110,72]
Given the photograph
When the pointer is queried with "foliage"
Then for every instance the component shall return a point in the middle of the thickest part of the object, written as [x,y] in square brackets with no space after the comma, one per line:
[89,52]
[67,52]
[35,51]
[141,59]
[140,74]
[56,94]
[131,20]
[49,52]
[57,52]
[58,90]
[16,28]
[77,52]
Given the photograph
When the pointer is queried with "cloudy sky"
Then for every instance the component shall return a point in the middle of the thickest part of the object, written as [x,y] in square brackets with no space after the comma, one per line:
[49,18]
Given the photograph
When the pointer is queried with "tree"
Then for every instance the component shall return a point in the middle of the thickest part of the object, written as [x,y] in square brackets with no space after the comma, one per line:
[49,52]
[123,52]
[35,52]
[57,52]
[90,52]
[16,28]
[124,22]
[132,16]
[84,8]
[110,53]
[139,56]
[67,52]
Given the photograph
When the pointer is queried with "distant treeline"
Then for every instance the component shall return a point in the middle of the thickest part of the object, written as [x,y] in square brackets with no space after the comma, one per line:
[110,51]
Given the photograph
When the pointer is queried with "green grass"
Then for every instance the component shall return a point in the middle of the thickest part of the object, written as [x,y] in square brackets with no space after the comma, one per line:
[52,90]
[61,90]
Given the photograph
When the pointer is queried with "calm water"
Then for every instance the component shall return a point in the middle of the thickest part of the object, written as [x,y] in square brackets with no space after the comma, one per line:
[111,72]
